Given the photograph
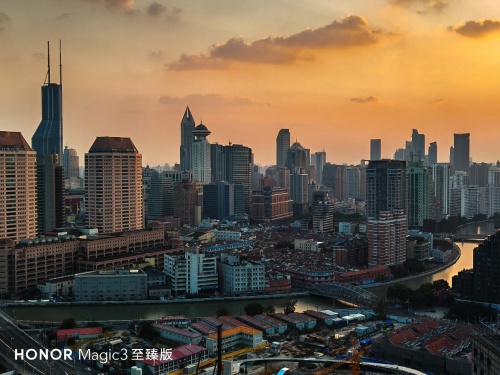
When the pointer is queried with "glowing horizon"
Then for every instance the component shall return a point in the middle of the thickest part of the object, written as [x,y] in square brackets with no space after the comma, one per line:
[336,74]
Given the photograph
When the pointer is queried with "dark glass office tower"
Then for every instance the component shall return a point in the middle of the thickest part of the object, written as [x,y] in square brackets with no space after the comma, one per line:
[461,152]
[48,137]
[187,139]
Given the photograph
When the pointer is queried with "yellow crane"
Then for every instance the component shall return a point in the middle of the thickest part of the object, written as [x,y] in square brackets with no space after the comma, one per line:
[354,359]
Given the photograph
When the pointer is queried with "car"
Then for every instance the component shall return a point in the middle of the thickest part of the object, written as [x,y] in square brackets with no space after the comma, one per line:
[88,369]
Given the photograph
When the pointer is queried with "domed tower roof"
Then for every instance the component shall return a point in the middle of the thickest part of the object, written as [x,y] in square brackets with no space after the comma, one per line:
[201,131]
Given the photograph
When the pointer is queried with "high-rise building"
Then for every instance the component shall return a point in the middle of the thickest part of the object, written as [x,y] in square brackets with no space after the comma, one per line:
[187,139]
[319,164]
[222,199]
[218,162]
[113,185]
[188,201]
[299,192]
[386,187]
[71,163]
[478,174]
[322,212]
[461,152]
[298,157]
[48,137]
[387,238]
[440,180]
[18,208]
[271,204]
[352,184]
[201,155]
[375,149]
[160,201]
[433,153]
[50,194]
[418,142]
[239,167]
[487,270]
[282,146]
[419,194]
[387,210]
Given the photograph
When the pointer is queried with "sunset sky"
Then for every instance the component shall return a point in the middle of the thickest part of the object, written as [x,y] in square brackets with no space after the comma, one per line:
[334,72]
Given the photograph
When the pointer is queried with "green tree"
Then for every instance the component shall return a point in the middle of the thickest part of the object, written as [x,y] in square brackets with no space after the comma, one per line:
[69,323]
[290,306]
[254,308]
[269,309]
[399,292]
[440,284]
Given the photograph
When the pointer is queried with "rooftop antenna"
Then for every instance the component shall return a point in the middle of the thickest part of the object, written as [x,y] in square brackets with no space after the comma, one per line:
[60,63]
[47,78]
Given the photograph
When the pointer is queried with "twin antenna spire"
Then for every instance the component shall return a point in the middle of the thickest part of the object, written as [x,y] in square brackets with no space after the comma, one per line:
[47,78]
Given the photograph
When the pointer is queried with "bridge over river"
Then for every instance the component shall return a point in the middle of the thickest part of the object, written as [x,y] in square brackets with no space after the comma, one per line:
[346,292]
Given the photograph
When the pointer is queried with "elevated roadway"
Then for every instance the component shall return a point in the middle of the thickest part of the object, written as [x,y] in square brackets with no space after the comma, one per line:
[12,338]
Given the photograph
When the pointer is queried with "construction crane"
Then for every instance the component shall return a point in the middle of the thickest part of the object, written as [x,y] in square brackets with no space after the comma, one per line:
[354,359]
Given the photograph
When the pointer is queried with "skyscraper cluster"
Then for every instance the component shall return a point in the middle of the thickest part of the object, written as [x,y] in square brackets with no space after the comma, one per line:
[215,181]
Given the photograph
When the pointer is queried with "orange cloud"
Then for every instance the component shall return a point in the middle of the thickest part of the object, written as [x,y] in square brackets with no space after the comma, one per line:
[436,5]
[477,29]
[125,5]
[347,32]
[369,99]
[208,100]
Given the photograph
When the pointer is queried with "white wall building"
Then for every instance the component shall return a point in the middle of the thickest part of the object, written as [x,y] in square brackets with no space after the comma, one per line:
[106,285]
[227,235]
[306,245]
[241,277]
[192,272]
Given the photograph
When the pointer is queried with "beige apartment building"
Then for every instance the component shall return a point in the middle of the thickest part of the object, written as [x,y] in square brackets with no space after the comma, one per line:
[113,185]
[18,217]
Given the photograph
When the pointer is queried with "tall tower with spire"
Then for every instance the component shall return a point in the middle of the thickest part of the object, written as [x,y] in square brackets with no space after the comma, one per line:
[48,144]
[48,137]
[187,139]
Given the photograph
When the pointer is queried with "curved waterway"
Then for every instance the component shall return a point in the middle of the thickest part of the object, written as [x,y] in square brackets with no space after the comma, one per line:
[57,313]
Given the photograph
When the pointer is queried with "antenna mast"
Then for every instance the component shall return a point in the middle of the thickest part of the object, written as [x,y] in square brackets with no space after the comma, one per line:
[60,63]
[48,62]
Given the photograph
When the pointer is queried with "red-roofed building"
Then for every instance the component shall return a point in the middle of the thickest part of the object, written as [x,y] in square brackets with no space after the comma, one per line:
[432,345]
[182,356]
[79,333]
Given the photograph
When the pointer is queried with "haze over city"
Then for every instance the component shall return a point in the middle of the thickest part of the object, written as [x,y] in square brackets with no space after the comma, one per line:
[335,73]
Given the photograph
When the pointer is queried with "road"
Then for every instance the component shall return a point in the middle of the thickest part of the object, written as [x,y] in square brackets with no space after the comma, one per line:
[12,338]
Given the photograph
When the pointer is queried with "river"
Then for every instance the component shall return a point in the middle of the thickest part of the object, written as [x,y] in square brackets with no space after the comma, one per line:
[56,312]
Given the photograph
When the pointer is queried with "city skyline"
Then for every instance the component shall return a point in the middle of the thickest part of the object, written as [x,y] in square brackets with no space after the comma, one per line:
[335,74]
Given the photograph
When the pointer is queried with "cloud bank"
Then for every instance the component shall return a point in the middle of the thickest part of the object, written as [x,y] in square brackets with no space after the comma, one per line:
[477,29]
[208,100]
[347,32]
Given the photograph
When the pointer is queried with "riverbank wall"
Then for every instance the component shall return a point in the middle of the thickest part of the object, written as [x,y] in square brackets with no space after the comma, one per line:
[154,302]
[456,250]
